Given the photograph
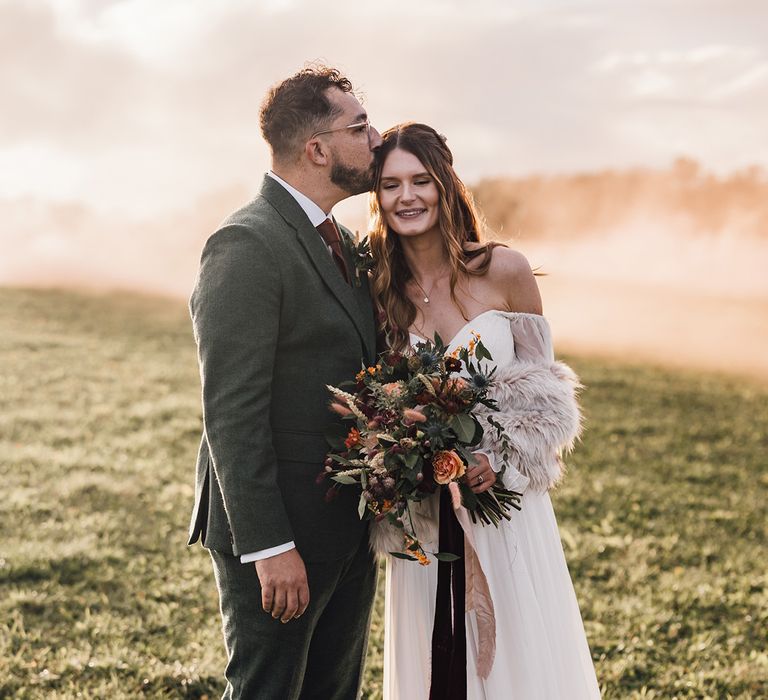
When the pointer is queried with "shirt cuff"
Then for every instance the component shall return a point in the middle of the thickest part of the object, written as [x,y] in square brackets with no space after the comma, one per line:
[491,458]
[266,553]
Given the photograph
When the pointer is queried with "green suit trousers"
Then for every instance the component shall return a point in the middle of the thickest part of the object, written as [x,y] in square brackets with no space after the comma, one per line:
[320,656]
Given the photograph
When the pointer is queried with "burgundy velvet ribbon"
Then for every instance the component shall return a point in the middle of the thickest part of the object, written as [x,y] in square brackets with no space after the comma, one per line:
[449,635]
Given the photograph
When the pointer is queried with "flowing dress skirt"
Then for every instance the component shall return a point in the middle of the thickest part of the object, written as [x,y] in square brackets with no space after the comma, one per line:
[541,647]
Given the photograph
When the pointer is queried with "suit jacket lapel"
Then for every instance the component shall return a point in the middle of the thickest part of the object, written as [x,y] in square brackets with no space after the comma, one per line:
[361,291]
[348,296]
[365,304]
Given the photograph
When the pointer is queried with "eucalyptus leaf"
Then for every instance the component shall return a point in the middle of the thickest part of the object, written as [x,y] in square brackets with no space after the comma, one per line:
[446,556]
[481,352]
[464,427]
[478,434]
[344,479]
[400,555]
[362,506]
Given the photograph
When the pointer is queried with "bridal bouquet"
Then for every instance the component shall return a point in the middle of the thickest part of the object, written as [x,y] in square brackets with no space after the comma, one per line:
[408,426]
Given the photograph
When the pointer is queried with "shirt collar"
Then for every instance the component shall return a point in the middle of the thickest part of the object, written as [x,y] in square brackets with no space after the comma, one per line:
[314,213]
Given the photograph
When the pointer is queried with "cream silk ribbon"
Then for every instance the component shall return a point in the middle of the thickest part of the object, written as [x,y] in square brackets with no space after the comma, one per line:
[478,594]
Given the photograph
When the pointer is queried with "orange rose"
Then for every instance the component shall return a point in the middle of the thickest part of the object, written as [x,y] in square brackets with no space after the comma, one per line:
[447,466]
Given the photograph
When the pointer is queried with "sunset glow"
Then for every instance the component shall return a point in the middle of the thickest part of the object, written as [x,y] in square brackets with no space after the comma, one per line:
[129,128]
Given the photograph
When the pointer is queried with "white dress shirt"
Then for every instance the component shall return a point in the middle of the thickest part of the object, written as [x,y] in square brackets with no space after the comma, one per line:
[315,214]
[316,217]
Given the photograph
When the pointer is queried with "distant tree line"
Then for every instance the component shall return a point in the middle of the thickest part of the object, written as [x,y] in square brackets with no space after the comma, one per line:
[685,195]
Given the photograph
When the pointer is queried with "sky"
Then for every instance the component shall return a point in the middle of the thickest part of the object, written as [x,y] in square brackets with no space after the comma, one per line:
[137,108]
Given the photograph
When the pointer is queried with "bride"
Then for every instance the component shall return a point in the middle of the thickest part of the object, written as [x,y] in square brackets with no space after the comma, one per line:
[523,631]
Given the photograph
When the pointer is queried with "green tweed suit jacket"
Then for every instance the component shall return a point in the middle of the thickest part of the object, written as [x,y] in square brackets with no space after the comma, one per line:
[274,322]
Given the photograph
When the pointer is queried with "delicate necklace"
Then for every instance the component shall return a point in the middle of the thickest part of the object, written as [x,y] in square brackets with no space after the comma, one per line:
[431,289]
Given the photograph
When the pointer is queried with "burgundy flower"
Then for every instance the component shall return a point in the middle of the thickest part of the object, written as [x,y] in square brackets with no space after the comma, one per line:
[452,364]
[393,358]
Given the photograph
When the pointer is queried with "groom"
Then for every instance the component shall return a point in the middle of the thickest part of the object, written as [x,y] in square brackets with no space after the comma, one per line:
[278,312]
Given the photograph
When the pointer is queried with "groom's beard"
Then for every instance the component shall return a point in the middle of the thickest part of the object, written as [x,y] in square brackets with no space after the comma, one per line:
[353,180]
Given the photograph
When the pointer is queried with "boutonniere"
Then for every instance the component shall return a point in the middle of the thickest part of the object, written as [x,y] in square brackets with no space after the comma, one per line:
[361,257]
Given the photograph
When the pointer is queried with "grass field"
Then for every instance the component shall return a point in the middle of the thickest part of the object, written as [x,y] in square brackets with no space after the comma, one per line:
[663,515]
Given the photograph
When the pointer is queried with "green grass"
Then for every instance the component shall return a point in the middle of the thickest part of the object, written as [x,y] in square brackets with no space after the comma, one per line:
[663,515]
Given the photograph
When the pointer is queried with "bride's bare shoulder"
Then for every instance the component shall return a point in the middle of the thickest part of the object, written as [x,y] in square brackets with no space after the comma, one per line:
[503,257]
[511,274]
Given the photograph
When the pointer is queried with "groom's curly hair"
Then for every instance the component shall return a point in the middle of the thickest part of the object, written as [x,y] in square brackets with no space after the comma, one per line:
[297,107]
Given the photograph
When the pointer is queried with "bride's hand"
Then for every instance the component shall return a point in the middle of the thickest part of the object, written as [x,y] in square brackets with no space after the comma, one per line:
[480,476]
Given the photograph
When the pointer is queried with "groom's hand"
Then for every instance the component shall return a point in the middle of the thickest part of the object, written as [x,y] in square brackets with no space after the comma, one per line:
[284,588]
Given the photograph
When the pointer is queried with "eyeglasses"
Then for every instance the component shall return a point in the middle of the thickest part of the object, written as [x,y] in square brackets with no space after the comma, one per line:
[358,125]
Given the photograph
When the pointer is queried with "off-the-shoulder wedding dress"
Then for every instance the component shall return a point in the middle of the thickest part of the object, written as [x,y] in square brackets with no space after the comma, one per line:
[541,650]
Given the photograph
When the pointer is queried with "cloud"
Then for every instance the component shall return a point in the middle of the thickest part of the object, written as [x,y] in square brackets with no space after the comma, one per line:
[706,74]
[140,107]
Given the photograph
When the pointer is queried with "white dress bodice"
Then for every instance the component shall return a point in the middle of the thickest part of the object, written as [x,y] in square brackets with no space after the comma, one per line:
[510,336]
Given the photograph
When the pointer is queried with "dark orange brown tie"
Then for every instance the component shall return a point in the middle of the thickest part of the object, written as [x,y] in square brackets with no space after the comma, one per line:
[330,234]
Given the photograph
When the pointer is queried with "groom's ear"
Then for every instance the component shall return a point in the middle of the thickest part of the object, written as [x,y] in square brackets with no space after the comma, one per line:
[316,151]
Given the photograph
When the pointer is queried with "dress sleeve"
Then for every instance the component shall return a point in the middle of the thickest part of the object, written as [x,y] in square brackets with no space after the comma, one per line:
[532,337]
[538,408]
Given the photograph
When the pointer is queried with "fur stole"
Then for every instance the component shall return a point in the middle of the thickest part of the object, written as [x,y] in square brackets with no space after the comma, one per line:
[539,409]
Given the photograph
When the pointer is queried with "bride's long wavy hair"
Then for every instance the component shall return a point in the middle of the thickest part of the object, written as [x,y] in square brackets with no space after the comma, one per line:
[459,223]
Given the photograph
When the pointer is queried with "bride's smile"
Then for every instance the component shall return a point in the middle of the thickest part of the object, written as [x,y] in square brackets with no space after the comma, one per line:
[408,195]
[410,213]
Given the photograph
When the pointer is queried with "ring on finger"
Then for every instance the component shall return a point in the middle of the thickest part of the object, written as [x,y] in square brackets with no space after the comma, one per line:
[480,479]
